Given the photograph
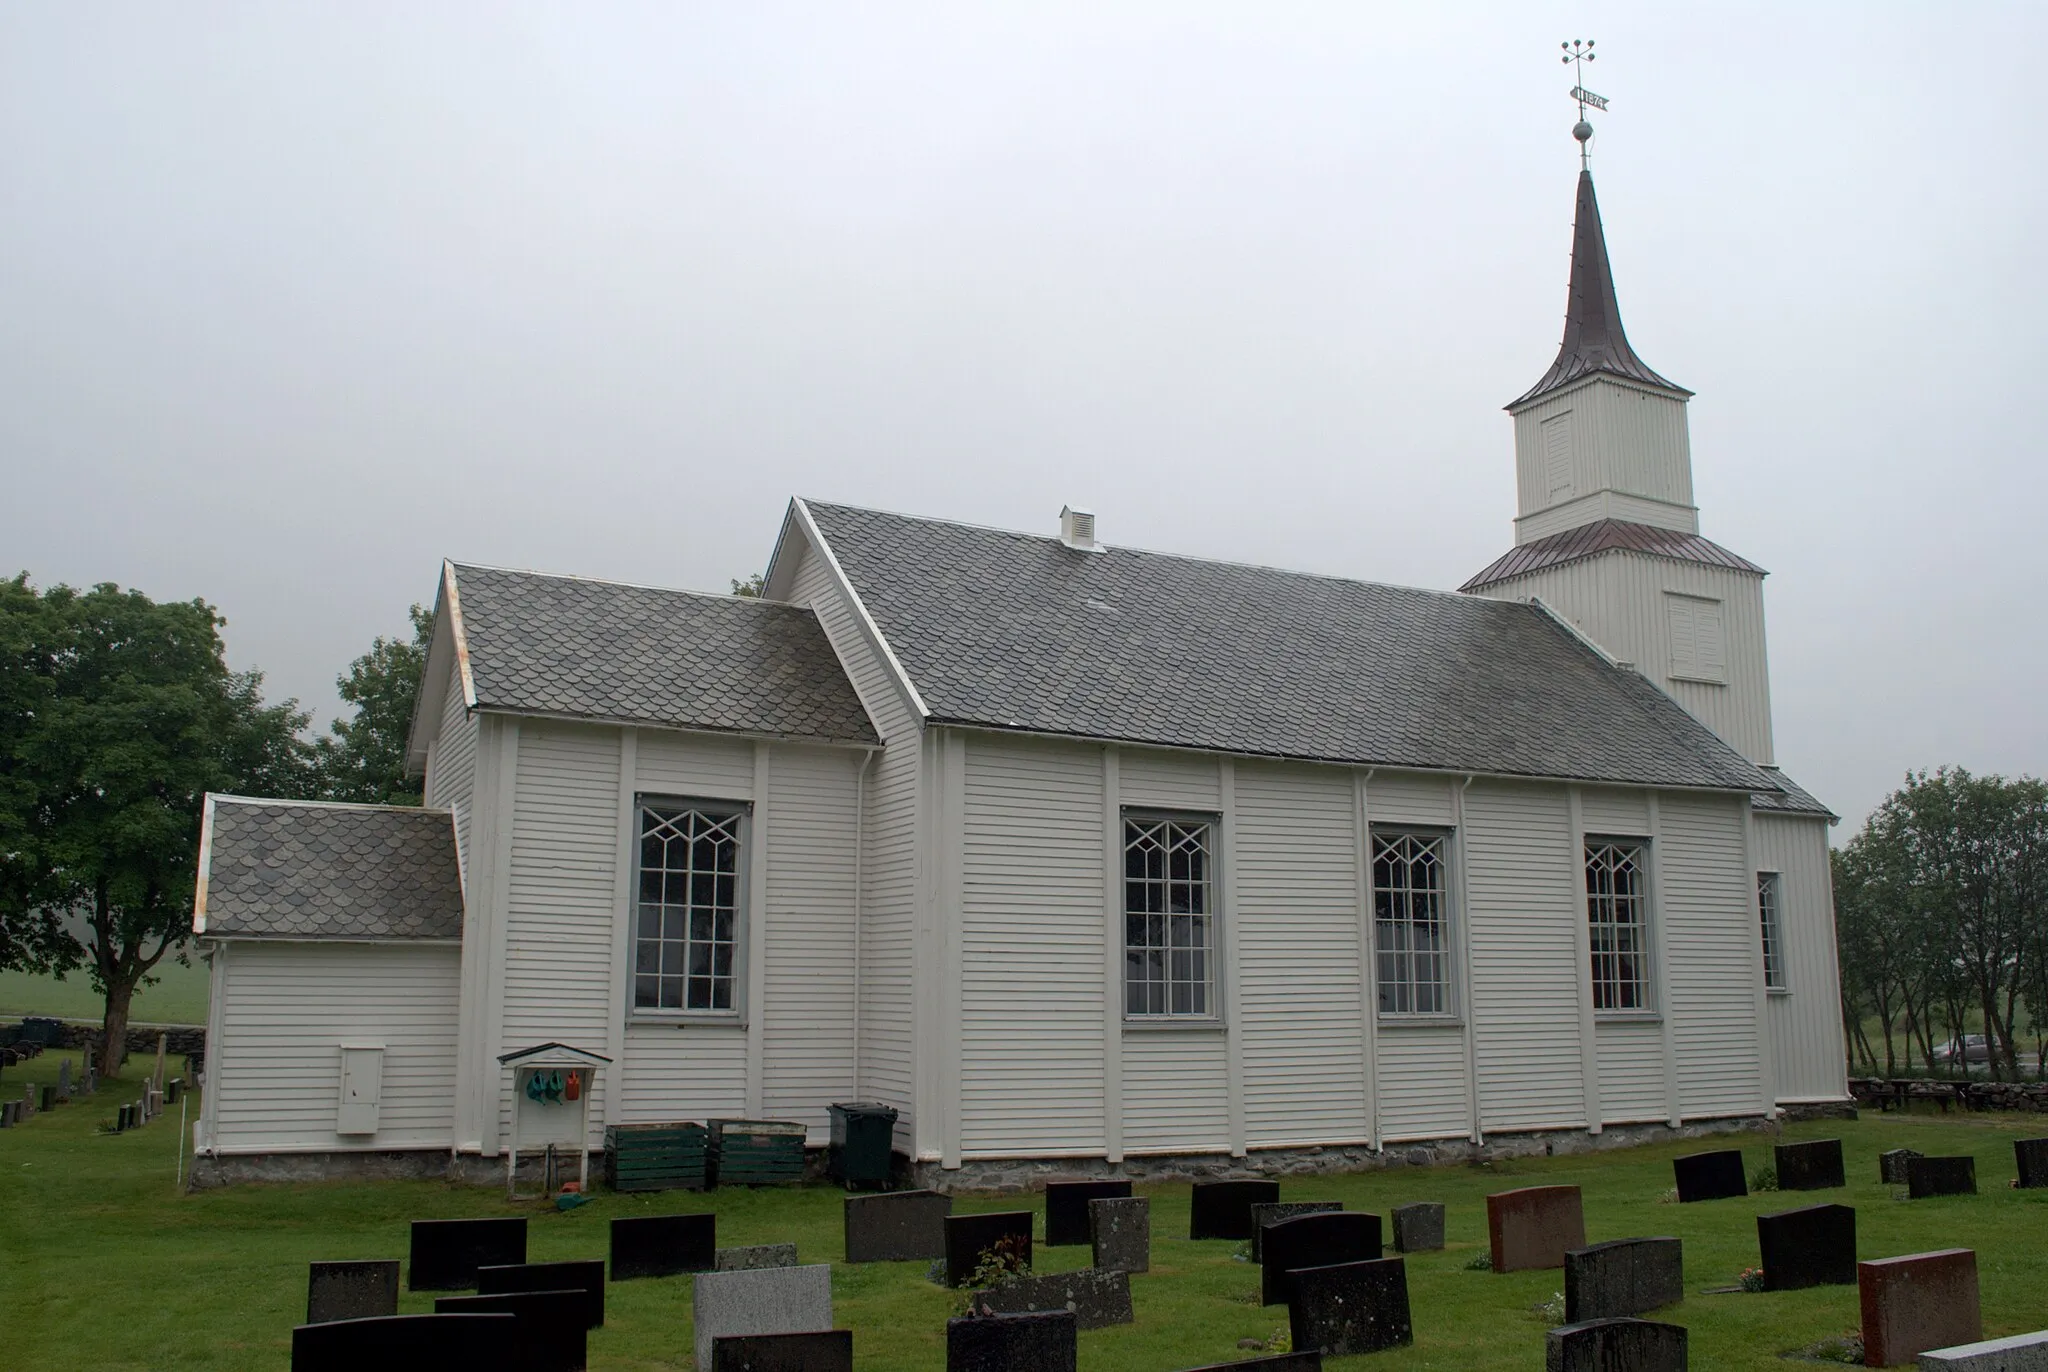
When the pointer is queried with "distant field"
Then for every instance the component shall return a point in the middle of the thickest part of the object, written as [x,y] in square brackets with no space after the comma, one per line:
[179,998]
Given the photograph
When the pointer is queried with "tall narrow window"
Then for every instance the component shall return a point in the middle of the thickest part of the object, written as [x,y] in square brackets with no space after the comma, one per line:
[1770,930]
[1169,919]
[1617,916]
[688,933]
[1410,919]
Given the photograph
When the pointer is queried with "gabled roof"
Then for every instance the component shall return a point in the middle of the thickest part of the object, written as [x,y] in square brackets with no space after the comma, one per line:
[1791,798]
[1606,536]
[1593,338]
[603,650]
[312,870]
[1009,631]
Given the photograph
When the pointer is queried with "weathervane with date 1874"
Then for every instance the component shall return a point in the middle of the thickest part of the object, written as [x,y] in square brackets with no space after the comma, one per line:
[1578,54]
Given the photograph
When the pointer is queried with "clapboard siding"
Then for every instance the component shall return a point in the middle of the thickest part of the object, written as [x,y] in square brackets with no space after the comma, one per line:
[1608,810]
[451,777]
[1707,903]
[1176,1092]
[1631,1065]
[683,1072]
[1422,1083]
[1520,875]
[693,766]
[286,1010]
[1805,1020]
[1168,781]
[1032,932]
[1301,985]
[1409,798]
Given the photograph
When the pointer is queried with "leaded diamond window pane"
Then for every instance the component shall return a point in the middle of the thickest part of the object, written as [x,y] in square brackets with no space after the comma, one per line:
[1410,910]
[1770,931]
[1167,913]
[1617,924]
[689,897]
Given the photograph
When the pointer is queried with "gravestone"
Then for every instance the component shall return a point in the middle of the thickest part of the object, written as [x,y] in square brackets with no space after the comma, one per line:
[1223,1209]
[1941,1177]
[1710,1176]
[1534,1227]
[1313,1241]
[898,1226]
[2031,1156]
[1917,1302]
[970,1236]
[2019,1353]
[1279,1362]
[406,1341]
[1013,1343]
[1615,1346]
[1066,1208]
[1891,1167]
[754,1256]
[1419,1227]
[1815,1166]
[1350,1307]
[64,1079]
[1095,1298]
[828,1350]
[7,1115]
[351,1290]
[1272,1212]
[1120,1232]
[764,1300]
[551,1330]
[585,1276]
[1812,1246]
[46,1098]
[447,1253]
[1622,1277]
[663,1245]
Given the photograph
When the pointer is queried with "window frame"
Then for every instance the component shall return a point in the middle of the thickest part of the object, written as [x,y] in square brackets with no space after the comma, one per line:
[1645,949]
[720,807]
[1771,931]
[1212,1017]
[1451,928]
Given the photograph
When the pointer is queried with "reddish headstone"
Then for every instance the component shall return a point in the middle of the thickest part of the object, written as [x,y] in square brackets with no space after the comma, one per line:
[1533,1227]
[1917,1302]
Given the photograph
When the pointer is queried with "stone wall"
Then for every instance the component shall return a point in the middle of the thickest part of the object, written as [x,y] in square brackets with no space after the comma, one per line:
[141,1038]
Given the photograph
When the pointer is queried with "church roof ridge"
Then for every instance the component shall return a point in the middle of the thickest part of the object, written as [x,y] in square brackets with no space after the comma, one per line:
[1607,536]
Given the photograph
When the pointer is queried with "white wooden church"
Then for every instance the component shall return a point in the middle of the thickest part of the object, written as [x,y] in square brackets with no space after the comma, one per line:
[1069,851]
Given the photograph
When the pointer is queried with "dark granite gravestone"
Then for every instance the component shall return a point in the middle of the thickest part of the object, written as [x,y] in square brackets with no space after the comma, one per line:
[970,1236]
[663,1245]
[829,1350]
[447,1253]
[2031,1155]
[1917,1302]
[585,1276]
[753,1257]
[1622,1277]
[1710,1176]
[1223,1209]
[395,1341]
[1891,1167]
[1096,1299]
[897,1226]
[1941,1177]
[1815,1166]
[1066,1208]
[1013,1343]
[1419,1227]
[1615,1346]
[551,1333]
[1279,1362]
[1313,1241]
[1120,1234]
[1272,1212]
[351,1290]
[1350,1307]
[1534,1226]
[1811,1246]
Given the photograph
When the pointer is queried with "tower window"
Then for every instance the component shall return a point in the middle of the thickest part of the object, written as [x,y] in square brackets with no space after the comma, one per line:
[1699,648]
[1557,456]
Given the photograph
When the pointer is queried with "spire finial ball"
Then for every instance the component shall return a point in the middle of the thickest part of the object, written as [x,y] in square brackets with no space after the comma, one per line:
[1582,131]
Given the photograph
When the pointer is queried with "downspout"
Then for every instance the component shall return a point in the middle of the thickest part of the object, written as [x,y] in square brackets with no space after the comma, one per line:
[1468,1006]
[860,857]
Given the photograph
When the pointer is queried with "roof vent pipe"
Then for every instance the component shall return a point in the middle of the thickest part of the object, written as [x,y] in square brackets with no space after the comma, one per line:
[1077,530]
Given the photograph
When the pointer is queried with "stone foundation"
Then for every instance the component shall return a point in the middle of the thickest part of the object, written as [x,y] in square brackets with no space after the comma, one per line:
[413,1164]
[1819,1110]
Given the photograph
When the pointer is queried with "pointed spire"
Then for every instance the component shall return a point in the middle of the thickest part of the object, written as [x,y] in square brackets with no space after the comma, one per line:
[1593,340]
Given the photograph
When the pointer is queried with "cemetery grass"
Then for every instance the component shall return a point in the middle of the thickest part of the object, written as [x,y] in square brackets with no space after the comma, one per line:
[107,1266]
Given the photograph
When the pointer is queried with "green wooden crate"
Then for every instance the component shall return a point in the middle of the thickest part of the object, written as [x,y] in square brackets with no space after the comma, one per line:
[756,1152]
[656,1157]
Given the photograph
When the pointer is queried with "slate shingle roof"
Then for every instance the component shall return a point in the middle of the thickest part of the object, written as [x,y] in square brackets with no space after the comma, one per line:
[1791,798]
[1602,536]
[1006,630]
[283,869]
[601,650]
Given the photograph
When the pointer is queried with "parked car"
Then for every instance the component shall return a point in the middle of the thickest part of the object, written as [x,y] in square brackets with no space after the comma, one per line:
[1972,1048]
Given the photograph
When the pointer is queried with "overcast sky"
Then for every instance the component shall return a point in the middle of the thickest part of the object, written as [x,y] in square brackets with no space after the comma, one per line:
[296,300]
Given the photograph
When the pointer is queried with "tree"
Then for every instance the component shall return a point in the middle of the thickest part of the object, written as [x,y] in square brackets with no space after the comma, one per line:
[752,587]
[135,716]
[364,759]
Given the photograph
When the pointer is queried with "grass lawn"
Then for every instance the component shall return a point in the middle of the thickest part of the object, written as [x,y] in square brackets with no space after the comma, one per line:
[106,1265]
[178,998]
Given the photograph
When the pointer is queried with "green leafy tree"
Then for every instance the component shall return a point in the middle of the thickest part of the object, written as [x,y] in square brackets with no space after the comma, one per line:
[750,588]
[364,758]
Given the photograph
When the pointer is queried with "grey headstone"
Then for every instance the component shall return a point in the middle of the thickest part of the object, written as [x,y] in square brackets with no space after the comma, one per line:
[2019,1353]
[1621,1277]
[754,1258]
[1891,1167]
[1419,1228]
[829,1351]
[765,1300]
[1615,1346]
[1351,1307]
[1273,1212]
[1121,1232]
[897,1226]
[1097,1299]
[1048,1342]
[64,1079]
[351,1290]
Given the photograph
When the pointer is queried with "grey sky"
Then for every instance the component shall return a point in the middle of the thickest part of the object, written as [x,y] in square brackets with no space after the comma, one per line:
[297,299]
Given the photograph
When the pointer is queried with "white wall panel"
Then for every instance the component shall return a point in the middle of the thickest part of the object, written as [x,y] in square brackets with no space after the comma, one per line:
[1168,781]
[1631,1063]
[451,775]
[694,1072]
[1707,902]
[1422,1083]
[694,766]
[1175,1095]
[1410,798]
[1806,1020]
[1612,810]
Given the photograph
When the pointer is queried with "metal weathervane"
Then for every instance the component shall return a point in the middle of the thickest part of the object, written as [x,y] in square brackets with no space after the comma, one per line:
[1578,54]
